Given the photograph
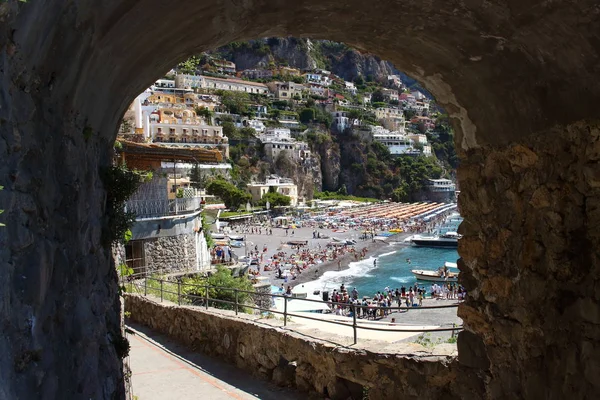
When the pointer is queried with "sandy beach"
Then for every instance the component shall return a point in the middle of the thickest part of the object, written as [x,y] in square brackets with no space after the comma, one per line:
[277,242]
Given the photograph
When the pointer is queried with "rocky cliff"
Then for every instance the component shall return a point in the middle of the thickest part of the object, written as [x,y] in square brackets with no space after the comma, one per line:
[304,53]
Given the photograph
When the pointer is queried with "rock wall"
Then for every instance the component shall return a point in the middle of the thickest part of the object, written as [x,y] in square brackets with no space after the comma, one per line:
[171,253]
[530,262]
[309,365]
[518,79]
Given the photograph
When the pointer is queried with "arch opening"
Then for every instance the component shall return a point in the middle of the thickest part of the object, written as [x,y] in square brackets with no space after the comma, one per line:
[529,187]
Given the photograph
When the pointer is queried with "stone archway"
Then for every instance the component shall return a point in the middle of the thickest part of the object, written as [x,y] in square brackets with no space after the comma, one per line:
[519,80]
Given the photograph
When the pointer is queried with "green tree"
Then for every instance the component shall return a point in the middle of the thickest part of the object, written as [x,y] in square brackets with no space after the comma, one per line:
[229,193]
[190,65]
[236,102]
[275,199]
[221,286]
[307,115]
[196,179]
[377,96]
[247,133]
[409,114]
[230,130]
[205,113]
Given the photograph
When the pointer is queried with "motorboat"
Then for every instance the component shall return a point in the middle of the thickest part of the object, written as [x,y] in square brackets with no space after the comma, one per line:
[443,274]
[448,239]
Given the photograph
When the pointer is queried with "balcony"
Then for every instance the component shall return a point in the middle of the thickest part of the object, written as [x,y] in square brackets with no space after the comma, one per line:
[162,207]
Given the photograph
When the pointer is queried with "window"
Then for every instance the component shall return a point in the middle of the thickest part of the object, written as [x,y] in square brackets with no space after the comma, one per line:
[135,256]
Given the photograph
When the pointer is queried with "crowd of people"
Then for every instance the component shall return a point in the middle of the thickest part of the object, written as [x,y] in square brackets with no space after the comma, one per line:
[344,302]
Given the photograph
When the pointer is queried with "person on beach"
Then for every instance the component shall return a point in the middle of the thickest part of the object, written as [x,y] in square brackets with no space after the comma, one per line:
[375,262]
[339,265]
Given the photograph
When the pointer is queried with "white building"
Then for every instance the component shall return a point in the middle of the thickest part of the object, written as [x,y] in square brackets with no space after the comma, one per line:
[342,121]
[441,185]
[208,82]
[350,87]
[390,94]
[367,98]
[283,186]
[255,124]
[396,142]
[274,134]
[389,112]
[297,151]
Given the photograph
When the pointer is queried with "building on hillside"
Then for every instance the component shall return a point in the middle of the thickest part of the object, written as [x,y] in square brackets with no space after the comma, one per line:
[196,100]
[164,84]
[211,83]
[389,112]
[165,98]
[287,90]
[366,98]
[257,74]
[394,123]
[313,78]
[255,124]
[407,99]
[283,186]
[395,81]
[271,134]
[259,110]
[318,90]
[390,94]
[441,190]
[190,136]
[224,67]
[297,151]
[350,88]
[397,143]
[167,234]
[423,123]
[418,138]
[419,106]
[342,121]
[418,95]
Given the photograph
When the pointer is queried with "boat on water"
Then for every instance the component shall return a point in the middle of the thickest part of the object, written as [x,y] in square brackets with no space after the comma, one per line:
[448,239]
[443,274]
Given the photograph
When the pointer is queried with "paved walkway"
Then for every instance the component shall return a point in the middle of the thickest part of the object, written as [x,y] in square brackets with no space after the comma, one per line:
[162,369]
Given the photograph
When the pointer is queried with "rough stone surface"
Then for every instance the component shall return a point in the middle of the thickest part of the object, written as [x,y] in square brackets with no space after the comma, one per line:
[530,262]
[518,79]
[172,253]
[310,365]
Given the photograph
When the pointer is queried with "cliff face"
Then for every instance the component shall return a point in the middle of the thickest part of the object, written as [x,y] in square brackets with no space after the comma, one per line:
[306,54]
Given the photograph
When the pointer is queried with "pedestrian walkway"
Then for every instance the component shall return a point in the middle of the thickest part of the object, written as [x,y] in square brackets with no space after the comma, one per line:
[162,369]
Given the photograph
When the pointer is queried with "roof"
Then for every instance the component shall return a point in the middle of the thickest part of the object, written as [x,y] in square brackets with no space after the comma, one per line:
[156,152]
[239,81]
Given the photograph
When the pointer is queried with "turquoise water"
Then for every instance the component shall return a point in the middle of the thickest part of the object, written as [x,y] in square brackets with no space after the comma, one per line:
[392,269]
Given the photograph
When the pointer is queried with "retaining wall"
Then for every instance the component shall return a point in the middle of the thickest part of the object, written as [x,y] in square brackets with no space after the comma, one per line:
[310,365]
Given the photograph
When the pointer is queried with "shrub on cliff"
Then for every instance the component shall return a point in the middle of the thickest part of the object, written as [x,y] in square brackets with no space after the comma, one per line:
[221,286]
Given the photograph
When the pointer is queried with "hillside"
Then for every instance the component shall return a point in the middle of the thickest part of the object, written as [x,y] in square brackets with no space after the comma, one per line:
[345,161]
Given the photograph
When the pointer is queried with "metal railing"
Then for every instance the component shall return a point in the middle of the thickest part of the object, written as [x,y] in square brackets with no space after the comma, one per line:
[183,295]
[163,207]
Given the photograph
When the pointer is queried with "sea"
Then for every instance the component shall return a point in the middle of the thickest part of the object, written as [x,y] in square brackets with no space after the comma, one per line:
[393,269]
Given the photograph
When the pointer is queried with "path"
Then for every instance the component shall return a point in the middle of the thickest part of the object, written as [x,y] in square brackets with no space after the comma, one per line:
[162,369]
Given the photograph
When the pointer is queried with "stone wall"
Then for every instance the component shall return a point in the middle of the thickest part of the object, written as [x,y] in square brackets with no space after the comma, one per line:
[503,71]
[171,253]
[530,261]
[309,365]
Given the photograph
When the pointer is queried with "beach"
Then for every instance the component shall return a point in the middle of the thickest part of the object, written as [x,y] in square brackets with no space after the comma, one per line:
[277,243]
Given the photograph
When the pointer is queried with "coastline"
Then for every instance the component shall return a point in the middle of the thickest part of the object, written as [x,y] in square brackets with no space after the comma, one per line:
[374,249]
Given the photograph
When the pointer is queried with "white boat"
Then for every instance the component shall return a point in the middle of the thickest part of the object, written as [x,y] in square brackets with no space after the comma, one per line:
[443,274]
[448,239]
